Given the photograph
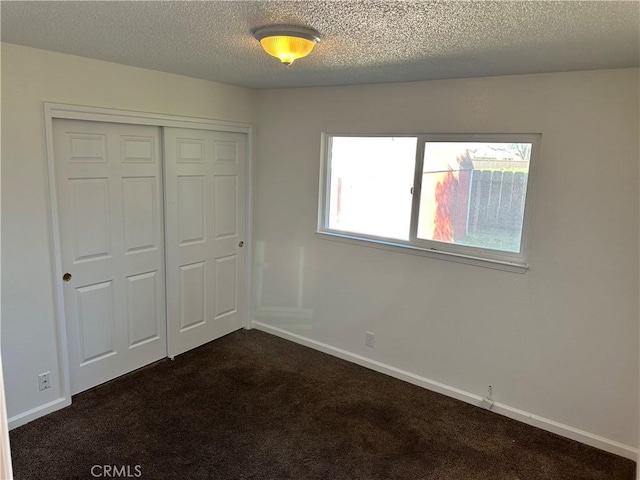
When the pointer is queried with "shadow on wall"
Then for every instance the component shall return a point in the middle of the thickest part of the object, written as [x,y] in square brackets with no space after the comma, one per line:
[285,284]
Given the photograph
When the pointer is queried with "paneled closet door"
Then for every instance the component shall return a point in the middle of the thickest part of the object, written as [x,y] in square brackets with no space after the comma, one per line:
[205,225]
[109,194]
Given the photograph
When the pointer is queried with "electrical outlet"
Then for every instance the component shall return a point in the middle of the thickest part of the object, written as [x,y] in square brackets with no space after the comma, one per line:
[44,380]
[369,339]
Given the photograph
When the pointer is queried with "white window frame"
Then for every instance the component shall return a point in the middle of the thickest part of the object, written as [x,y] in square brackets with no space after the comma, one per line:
[496,259]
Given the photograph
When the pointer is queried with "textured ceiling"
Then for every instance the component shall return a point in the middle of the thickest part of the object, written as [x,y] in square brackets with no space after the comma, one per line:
[362,41]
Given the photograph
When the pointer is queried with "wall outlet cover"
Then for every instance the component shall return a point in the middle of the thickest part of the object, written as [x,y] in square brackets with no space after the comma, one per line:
[370,339]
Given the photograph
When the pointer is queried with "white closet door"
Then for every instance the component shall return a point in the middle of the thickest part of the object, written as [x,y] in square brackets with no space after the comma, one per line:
[205,216]
[109,193]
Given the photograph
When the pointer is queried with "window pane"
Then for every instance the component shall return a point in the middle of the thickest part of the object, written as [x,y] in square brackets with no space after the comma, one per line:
[371,180]
[473,193]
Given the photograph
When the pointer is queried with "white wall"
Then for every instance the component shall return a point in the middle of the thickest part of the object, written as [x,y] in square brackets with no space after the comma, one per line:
[561,340]
[30,77]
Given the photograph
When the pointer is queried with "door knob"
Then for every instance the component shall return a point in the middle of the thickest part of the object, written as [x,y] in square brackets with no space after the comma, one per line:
[241,244]
[66,277]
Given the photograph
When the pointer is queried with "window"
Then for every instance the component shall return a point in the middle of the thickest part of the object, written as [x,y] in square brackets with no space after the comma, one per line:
[459,196]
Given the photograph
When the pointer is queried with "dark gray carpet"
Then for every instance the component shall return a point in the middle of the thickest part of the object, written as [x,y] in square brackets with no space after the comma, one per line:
[254,406]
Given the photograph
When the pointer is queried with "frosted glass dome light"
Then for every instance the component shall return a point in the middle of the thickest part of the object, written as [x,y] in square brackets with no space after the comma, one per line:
[287,43]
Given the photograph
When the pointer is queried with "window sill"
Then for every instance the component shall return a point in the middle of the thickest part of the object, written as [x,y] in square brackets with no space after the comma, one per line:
[413,250]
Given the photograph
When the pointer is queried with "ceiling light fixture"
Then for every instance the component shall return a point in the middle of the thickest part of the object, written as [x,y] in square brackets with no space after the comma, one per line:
[286,42]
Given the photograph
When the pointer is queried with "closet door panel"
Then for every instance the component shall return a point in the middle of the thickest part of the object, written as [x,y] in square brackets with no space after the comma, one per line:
[110,214]
[204,184]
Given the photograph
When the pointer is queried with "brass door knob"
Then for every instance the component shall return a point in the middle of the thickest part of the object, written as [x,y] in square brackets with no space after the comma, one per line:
[241,244]
[66,277]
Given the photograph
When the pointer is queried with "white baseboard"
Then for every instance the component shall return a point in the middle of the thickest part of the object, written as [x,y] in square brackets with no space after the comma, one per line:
[37,412]
[511,412]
